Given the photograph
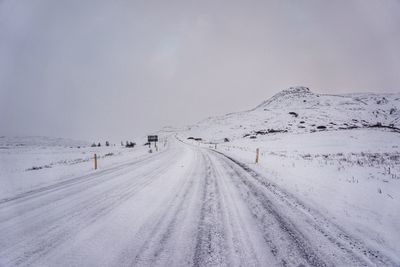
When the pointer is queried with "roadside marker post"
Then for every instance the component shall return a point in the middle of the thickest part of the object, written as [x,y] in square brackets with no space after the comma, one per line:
[95,161]
[257,155]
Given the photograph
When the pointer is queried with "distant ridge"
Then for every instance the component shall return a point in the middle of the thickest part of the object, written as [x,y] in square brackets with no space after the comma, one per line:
[298,109]
[35,141]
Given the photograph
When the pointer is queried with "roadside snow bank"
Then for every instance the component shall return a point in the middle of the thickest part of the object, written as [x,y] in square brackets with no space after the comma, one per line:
[24,168]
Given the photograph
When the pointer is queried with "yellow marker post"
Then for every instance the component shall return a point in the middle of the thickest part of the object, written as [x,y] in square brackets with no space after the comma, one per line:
[257,155]
[95,161]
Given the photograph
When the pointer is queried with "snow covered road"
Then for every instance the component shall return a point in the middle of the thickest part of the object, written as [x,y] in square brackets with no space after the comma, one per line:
[182,206]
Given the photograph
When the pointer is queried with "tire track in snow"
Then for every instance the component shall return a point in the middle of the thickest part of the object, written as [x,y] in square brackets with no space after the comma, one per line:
[316,240]
[286,242]
[211,243]
[95,177]
[199,226]
[50,232]
[221,233]
[247,248]
[66,197]
[159,247]
[72,191]
[50,237]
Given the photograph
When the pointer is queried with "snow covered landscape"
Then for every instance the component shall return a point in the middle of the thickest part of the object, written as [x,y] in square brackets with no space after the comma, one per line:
[199,133]
[325,191]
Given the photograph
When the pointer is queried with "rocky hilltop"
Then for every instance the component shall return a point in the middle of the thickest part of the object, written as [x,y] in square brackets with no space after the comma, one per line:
[298,109]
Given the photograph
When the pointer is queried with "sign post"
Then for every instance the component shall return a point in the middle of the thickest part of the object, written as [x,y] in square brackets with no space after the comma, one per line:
[152,138]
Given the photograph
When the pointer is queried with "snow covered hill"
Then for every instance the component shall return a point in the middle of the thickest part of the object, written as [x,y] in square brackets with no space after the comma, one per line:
[298,110]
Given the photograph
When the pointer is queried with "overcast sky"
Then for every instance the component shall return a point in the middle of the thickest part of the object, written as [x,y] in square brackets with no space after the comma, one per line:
[97,70]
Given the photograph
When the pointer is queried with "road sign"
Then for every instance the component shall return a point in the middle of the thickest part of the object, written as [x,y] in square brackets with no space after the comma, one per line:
[152,138]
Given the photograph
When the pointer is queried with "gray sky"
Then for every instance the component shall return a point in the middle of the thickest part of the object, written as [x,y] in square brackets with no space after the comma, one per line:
[98,70]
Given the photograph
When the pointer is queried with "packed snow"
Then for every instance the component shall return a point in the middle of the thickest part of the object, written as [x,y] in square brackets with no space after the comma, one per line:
[325,192]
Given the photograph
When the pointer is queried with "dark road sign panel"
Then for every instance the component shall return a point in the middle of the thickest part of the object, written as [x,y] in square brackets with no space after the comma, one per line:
[152,138]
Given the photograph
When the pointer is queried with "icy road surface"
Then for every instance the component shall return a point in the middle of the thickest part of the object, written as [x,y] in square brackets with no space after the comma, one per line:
[182,206]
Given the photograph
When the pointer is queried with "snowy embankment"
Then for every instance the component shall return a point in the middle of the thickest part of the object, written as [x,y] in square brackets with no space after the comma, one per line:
[27,163]
[338,154]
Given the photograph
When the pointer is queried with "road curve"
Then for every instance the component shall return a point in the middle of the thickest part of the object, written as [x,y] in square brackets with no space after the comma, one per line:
[184,206]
